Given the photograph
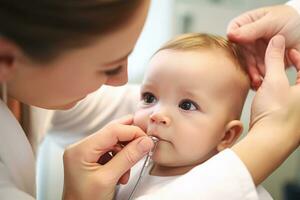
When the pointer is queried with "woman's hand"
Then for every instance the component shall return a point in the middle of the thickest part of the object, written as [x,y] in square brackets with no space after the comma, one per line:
[85,178]
[275,94]
[275,116]
[254,29]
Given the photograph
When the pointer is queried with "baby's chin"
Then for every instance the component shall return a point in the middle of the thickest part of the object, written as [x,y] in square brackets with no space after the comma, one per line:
[169,169]
[159,158]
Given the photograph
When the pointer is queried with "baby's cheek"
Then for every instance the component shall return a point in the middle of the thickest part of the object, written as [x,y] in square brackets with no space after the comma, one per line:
[141,119]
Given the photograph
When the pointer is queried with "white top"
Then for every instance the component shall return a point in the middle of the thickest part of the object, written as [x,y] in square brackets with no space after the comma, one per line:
[17,163]
[147,185]
[211,182]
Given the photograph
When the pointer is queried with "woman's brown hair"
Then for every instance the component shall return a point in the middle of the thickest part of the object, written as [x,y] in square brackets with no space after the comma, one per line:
[45,28]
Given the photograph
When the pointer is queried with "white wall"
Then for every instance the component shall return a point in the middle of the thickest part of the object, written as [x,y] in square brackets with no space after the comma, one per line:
[157,30]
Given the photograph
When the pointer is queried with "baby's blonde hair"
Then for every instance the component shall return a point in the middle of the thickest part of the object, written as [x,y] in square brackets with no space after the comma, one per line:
[196,41]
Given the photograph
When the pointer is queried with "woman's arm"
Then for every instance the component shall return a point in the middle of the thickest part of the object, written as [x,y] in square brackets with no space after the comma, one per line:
[275,120]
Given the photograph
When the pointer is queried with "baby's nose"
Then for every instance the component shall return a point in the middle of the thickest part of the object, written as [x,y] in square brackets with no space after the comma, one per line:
[159,118]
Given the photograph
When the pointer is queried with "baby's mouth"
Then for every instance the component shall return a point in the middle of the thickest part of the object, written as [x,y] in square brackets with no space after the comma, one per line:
[152,132]
[155,133]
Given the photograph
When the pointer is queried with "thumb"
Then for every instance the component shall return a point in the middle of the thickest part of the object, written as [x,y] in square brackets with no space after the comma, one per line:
[274,58]
[129,156]
[294,56]
[248,31]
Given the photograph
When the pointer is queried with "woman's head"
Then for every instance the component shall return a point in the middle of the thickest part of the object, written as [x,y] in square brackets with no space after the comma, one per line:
[53,53]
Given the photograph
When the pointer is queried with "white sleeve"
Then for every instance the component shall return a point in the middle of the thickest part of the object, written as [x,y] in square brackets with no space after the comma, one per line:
[224,176]
[263,194]
[295,4]
[91,114]
[8,190]
[11,193]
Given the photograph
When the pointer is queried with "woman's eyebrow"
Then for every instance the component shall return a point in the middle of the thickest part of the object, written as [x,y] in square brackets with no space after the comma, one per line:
[119,59]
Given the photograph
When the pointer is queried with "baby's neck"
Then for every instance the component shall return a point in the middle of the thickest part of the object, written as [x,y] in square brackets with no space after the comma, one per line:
[159,170]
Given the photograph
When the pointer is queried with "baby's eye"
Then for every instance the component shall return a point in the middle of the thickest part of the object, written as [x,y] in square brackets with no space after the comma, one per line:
[148,98]
[187,104]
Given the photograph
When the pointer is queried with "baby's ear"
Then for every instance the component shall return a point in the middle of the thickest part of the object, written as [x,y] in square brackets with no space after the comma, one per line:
[233,130]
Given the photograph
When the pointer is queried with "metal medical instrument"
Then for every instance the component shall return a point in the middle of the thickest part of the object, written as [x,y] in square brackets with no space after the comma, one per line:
[145,165]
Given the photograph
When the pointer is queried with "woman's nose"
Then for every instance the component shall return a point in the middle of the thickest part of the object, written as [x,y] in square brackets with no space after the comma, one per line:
[160,118]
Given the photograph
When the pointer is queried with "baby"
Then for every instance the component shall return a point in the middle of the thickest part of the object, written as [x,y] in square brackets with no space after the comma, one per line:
[191,100]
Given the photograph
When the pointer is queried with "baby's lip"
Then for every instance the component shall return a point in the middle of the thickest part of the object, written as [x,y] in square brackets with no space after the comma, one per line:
[154,133]
[159,138]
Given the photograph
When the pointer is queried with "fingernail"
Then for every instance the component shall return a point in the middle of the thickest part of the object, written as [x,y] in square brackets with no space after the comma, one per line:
[278,42]
[144,145]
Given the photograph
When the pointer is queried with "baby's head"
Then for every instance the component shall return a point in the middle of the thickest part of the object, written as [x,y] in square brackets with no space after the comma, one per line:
[192,98]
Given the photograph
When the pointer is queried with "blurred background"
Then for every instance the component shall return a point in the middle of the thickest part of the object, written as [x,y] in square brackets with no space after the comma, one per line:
[166,19]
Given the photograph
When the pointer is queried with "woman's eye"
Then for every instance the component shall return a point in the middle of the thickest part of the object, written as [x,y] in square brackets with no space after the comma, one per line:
[114,72]
[148,98]
[188,105]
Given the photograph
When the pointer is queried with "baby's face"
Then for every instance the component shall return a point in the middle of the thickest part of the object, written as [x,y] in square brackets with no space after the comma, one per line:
[184,102]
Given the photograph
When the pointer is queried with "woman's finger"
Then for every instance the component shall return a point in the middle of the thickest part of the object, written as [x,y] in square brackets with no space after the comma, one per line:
[260,50]
[294,57]
[274,59]
[124,178]
[251,67]
[126,120]
[102,142]
[247,27]
[129,156]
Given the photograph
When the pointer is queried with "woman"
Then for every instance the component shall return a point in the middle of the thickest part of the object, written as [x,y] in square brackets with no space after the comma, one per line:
[68,49]
[62,55]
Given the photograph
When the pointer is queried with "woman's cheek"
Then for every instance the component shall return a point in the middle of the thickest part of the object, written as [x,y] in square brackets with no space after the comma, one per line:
[141,119]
